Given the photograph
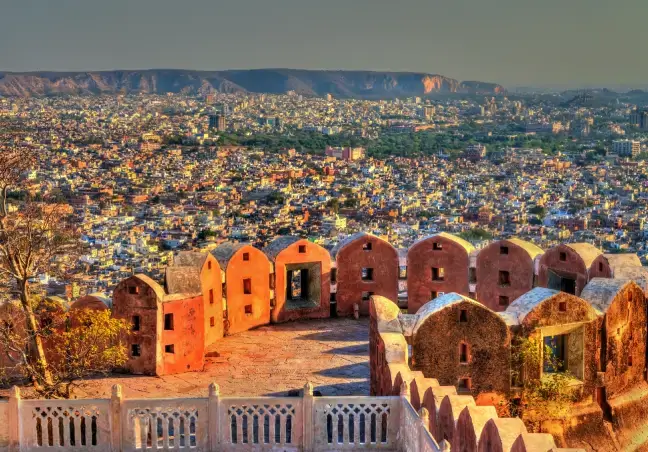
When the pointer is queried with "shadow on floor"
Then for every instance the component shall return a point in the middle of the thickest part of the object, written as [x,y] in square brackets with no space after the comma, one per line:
[359,370]
[351,350]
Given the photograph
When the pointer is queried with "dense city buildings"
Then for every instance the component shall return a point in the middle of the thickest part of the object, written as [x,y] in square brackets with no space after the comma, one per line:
[485,222]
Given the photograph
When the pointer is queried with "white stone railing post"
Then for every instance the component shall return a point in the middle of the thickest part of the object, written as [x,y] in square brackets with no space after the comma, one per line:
[116,418]
[14,419]
[214,424]
[307,417]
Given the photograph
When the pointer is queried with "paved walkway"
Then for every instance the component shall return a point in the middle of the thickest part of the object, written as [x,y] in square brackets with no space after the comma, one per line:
[333,354]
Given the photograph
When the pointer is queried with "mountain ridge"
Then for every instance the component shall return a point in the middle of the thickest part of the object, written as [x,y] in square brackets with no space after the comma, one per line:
[310,82]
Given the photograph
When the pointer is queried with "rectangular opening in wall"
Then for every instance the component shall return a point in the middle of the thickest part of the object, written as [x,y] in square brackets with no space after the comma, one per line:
[247,286]
[367,274]
[302,249]
[438,273]
[504,278]
[367,246]
[334,275]
[133,290]
[246,256]
[463,353]
[562,306]
[211,296]
[209,265]
[472,275]
[562,281]
[168,322]
[366,296]
[600,266]
[434,294]
[463,315]
[212,321]
[562,256]
[136,322]
[402,272]
[464,385]
[436,246]
[504,250]
[555,353]
[303,285]
[248,309]
[136,350]
[169,348]
[504,300]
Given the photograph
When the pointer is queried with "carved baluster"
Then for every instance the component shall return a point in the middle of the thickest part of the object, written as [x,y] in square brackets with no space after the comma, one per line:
[334,423]
[66,428]
[356,427]
[367,425]
[283,422]
[239,428]
[271,424]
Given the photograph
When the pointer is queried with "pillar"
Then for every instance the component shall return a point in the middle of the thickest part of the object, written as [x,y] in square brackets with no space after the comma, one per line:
[14,419]
[213,407]
[307,415]
[115,418]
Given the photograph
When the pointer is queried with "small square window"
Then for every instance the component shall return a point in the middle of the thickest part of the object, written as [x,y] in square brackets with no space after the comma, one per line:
[212,322]
[168,322]
[211,296]
[563,256]
[629,360]
[562,306]
[367,246]
[248,309]
[136,350]
[246,256]
[433,295]
[133,290]
[209,265]
[463,315]
[136,323]
[436,246]
[302,249]
[366,295]
[169,348]
[367,274]
[600,266]
[504,250]
[438,273]
[503,301]
[247,286]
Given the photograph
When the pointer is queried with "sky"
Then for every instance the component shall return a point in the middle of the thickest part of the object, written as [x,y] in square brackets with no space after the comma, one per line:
[548,43]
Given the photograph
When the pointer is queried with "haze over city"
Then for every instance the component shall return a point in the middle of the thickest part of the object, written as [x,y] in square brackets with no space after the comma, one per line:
[552,43]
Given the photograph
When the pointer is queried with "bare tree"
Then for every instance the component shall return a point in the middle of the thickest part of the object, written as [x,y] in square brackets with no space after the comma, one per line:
[14,162]
[35,240]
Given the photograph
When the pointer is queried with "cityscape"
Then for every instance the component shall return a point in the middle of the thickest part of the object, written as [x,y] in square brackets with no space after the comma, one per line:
[316,227]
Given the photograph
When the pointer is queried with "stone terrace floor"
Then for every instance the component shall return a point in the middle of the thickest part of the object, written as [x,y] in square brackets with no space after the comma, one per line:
[333,354]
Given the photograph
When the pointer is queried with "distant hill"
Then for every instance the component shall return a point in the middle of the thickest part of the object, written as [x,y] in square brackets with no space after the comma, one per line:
[343,84]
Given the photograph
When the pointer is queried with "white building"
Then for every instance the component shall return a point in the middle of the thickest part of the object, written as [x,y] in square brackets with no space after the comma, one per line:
[628,148]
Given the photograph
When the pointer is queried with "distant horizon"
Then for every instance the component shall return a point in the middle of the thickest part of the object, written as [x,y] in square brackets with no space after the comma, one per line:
[540,87]
[553,43]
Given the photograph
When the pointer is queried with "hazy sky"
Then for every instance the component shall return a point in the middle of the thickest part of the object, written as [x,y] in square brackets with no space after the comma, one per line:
[513,42]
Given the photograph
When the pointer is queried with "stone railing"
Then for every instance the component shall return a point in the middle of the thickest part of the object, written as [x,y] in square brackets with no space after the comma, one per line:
[214,423]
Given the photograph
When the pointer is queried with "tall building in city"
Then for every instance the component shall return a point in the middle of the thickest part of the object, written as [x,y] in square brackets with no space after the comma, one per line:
[217,122]
[627,148]
[639,118]
[345,153]
[429,111]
